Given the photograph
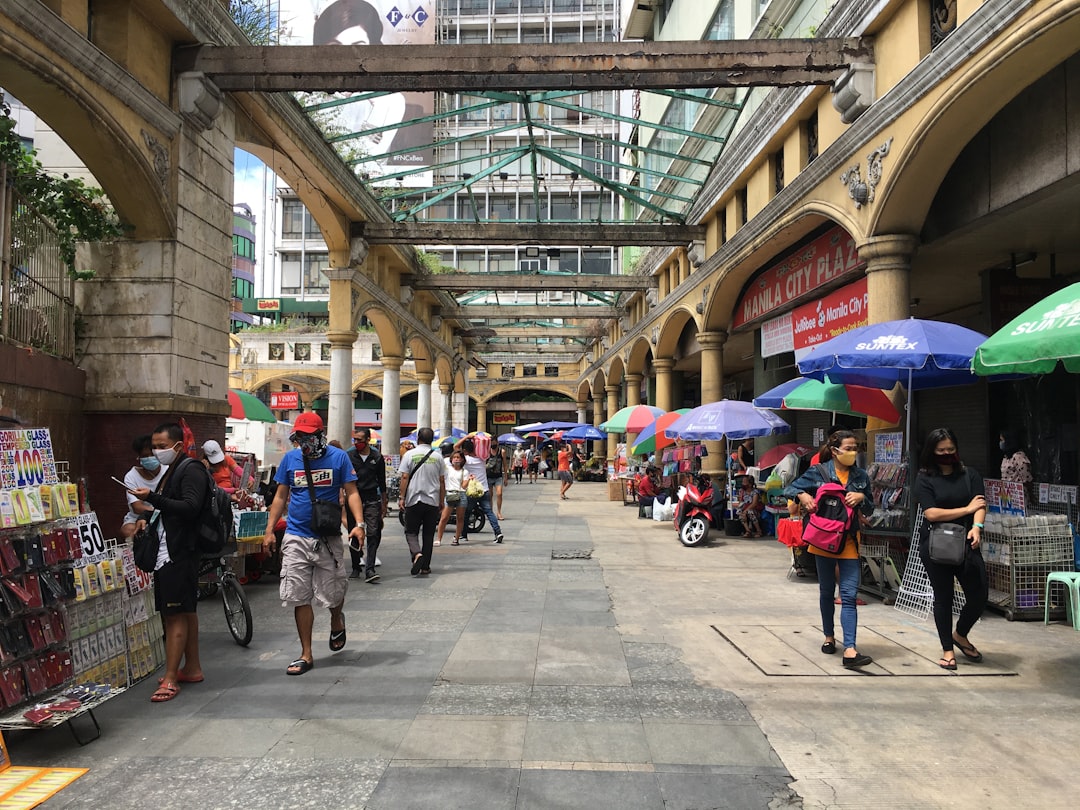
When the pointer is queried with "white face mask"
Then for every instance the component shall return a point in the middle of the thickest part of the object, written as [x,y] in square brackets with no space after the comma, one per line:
[166,456]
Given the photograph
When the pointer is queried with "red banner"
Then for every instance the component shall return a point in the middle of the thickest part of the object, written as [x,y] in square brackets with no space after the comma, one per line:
[829,316]
[821,262]
[284,400]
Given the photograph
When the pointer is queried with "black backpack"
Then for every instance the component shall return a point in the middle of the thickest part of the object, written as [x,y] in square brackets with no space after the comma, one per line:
[215,529]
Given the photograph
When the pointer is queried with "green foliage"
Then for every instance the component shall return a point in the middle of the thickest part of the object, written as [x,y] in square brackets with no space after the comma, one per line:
[253,18]
[433,264]
[78,212]
[298,325]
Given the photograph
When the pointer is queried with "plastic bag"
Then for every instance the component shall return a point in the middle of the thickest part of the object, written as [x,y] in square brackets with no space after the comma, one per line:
[473,489]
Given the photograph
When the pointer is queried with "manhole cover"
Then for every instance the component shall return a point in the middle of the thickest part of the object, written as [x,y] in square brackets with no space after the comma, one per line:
[573,554]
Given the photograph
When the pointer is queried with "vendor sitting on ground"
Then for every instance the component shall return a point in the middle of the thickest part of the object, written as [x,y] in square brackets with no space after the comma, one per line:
[648,488]
[750,506]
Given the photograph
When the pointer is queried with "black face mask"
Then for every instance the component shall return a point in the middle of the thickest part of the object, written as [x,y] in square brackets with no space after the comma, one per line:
[947,459]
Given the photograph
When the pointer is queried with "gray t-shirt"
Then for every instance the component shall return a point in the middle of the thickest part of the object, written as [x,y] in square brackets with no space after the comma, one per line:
[424,479]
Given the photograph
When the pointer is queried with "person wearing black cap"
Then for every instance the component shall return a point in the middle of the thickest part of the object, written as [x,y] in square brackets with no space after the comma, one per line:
[312,563]
[370,470]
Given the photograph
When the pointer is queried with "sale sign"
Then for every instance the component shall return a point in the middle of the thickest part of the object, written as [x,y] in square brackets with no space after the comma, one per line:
[26,458]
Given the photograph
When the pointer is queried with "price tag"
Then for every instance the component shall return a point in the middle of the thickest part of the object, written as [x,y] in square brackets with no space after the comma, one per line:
[92,540]
[137,579]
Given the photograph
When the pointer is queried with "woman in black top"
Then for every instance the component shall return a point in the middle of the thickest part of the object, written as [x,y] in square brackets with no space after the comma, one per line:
[949,492]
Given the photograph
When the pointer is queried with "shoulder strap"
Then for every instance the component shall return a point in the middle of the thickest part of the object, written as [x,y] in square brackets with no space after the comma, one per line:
[307,472]
[418,466]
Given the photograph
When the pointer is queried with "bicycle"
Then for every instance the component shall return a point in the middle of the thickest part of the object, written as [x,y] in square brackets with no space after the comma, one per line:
[214,577]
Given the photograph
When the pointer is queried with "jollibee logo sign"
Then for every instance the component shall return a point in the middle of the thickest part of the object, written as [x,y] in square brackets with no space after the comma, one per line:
[888,343]
[1063,316]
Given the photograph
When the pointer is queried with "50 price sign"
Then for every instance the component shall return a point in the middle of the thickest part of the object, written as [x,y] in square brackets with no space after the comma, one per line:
[93,541]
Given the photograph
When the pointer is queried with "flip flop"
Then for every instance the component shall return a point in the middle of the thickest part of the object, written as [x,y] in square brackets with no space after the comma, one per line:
[416,564]
[165,692]
[300,665]
[337,638]
[969,651]
[182,678]
[945,663]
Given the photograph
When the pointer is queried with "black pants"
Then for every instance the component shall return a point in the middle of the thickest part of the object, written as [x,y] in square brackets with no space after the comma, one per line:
[421,522]
[373,522]
[972,578]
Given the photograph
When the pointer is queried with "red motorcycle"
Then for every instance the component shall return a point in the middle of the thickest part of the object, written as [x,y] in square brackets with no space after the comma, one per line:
[694,512]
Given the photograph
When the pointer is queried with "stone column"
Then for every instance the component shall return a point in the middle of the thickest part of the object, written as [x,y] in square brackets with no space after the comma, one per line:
[582,408]
[712,390]
[342,335]
[597,418]
[612,392]
[447,420]
[423,399]
[391,403]
[665,398]
[633,389]
[481,416]
[888,276]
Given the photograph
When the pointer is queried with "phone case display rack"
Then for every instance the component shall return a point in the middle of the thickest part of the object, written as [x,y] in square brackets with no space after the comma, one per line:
[885,541]
[1019,552]
[64,617]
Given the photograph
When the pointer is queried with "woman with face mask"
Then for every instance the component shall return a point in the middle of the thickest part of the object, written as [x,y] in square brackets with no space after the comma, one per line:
[949,492]
[842,567]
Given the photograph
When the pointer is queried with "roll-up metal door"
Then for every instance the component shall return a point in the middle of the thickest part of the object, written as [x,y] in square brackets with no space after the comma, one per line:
[962,409]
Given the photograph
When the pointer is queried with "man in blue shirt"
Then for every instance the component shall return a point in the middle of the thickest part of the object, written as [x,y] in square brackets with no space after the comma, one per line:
[313,567]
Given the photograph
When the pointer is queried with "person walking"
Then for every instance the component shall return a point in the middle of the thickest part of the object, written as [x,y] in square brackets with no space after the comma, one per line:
[496,472]
[370,469]
[455,497]
[478,470]
[518,464]
[180,499]
[565,475]
[843,447]
[312,556]
[949,492]
[532,464]
[423,493]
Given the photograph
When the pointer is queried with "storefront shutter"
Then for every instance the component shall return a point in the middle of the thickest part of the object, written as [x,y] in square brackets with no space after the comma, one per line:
[962,409]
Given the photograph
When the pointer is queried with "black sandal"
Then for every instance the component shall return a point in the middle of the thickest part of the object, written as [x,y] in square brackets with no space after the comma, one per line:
[829,648]
[945,663]
[968,651]
[299,667]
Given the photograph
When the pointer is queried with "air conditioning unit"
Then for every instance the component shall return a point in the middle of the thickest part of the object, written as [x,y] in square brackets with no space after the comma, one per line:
[481,373]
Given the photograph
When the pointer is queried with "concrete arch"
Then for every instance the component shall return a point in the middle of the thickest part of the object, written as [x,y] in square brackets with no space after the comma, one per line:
[490,394]
[584,391]
[640,356]
[615,371]
[786,231]
[444,369]
[981,88]
[422,355]
[668,340]
[390,339]
[108,137]
[599,380]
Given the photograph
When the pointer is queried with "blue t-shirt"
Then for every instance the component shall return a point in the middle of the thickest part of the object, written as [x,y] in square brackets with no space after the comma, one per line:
[329,474]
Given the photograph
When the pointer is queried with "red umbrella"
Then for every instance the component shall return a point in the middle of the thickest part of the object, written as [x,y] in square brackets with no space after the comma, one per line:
[773,456]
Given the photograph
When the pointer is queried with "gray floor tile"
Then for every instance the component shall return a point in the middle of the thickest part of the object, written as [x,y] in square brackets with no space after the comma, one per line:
[404,788]
[693,791]
[595,741]
[547,789]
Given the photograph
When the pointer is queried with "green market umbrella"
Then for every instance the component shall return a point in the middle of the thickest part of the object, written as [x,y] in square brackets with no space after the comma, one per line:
[632,419]
[1037,340]
[248,406]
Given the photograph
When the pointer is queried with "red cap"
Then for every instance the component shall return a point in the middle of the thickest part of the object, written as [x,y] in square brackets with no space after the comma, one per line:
[308,422]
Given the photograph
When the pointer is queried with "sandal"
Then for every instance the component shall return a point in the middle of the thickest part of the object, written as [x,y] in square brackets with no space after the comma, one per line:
[455,543]
[947,663]
[181,677]
[166,691]
[416,564]
[299,667]
[337,638]
[968,651]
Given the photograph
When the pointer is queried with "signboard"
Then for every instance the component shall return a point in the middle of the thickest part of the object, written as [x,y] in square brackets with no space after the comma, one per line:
[825,260]
[1006,497]
[92,539]
[503,418]
[268,304]
[832,314]
[889,448]
[284,400]
[776,336]
[26,458]
[373,417]
[1057,493]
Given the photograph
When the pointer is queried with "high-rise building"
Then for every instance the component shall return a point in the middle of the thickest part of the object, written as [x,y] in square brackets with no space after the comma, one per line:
[243,266]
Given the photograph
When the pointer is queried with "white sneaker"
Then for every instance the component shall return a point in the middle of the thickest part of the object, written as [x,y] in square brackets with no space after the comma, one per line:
[378,562]
[438,542]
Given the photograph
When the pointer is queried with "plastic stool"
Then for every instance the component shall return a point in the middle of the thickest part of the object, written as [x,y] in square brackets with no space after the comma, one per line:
[1071,581]
[644,510]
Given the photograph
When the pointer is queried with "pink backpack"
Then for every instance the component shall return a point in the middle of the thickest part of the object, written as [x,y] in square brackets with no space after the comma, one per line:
[827,527]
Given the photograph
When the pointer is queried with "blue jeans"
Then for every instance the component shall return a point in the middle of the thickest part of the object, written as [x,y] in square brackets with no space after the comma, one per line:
[484,502]
[849,584]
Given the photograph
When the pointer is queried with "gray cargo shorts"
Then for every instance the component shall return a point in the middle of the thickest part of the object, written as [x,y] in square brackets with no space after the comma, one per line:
[313,571]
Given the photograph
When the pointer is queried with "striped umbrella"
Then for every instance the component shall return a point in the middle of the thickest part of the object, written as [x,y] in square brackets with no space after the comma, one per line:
[632,419]
[652,438]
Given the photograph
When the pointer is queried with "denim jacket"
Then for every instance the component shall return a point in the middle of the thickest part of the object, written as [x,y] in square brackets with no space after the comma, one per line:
[809,481]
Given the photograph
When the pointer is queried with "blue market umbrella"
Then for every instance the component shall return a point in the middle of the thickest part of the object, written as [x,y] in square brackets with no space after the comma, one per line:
[726,419]
[584,433]
[915,353]
[510,438]
[541,427]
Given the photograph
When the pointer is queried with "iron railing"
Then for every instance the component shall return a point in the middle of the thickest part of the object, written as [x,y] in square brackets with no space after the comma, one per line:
[37,294]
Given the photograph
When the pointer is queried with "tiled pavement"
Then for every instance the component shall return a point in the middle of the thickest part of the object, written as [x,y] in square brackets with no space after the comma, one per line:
[647,676]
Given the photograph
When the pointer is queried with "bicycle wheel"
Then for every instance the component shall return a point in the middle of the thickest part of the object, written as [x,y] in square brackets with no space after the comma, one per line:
[237,609]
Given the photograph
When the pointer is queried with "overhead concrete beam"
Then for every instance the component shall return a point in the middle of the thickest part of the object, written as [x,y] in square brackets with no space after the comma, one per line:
[523,311]
[527,282]
[511,233]
[494,332]
[562,66]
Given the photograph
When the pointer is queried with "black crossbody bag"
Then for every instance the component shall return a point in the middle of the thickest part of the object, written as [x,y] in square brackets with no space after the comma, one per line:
[325,515]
